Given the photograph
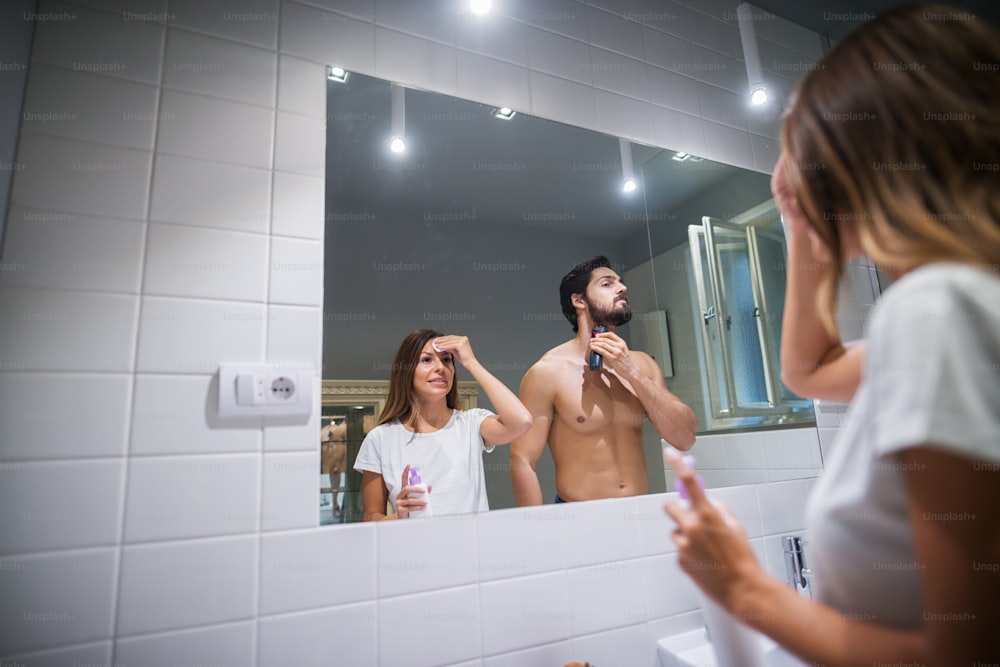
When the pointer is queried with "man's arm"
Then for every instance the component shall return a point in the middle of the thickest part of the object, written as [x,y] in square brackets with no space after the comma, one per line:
[673,420]
[537,394]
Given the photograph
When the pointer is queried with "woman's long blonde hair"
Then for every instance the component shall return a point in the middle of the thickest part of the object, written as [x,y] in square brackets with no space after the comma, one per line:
[897,130]
[400,403]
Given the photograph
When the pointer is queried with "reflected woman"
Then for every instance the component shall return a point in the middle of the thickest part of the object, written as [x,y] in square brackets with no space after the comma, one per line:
[890,149]
[422,425]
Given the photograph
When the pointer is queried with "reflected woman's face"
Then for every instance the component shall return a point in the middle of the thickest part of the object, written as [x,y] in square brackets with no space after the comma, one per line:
[434,373]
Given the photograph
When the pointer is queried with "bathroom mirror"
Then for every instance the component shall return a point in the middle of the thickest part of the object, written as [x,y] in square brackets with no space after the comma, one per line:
[471,229]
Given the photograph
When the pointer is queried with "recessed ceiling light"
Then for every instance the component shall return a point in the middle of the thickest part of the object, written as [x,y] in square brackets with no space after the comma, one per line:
[480,7]
[338,74]
[504,113]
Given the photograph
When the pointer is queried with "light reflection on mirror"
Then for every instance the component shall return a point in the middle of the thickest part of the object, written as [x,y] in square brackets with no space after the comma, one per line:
[471,230]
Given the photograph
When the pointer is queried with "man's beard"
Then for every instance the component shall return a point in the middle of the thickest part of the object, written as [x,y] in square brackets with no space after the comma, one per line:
[611,317]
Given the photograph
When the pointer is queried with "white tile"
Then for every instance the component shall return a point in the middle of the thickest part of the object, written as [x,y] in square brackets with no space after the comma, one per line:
[88,107]
[827,438]
[565,17]
[748,476]
[619,74]
[178,497]
[596,531]
[295,336]
[56,599]
[92,41]
[791,448]
[363,10]
[290,491]
[186,584]
[654,525]
[66,331]
[254,21]
[608,31]
[296,272]
[708,31]
[782,506]
[498,37]
[207,263]
[446,557]
[327,37]
[308,639]
[765,152]
[722,106]
[558,653]
[210,194]
[671,590]
[301,86]
[415,61]
[766,120]
[211,66]
[170,415]
[66,251]
[32,430]
[678,131]
[190,336]
[624,646]
[214,129]
[711,451]
[728,145]
[747,451]
[561,56]
[670,89]
[668,52]
[430,629]
[298,206]
[741,501]
[621,589]
[569,101]
[299,570]
[300,144]
[94,653]
[492,82]
[84,178]
[60,505]
[509,624]
[434,21]
[784,474]
[231,644]
[719,70]
[518,542]
[624,117]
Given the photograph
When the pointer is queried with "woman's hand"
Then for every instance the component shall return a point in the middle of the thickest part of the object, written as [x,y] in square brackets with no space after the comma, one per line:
[459,347]
[711,546]
[792,218]
[405,504]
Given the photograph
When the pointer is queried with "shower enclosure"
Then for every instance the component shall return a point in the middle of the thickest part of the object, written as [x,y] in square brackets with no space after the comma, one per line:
[739,290]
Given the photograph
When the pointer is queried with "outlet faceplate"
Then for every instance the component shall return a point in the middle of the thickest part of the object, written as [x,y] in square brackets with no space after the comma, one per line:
[262,390]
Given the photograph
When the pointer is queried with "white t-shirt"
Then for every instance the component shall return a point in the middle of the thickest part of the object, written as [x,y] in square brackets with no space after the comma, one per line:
[450,460]
[931,376]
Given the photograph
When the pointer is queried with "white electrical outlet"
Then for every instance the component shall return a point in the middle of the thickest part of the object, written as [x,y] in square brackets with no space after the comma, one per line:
[262,390]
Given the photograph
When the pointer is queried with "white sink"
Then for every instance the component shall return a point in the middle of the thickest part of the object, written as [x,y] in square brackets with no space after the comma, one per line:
[692,649]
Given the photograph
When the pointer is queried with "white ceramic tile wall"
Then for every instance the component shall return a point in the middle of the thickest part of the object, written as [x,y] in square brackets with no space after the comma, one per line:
[197,126]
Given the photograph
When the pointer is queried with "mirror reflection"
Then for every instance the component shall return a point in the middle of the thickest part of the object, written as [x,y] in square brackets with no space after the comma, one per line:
[470,230]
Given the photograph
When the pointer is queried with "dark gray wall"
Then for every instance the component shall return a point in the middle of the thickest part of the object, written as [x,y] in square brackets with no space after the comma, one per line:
[16,30]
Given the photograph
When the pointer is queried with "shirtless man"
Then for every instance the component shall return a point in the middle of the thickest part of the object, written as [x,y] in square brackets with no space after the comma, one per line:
[592,420]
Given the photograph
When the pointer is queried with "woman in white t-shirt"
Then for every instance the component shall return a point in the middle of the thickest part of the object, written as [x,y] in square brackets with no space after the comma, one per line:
[423,425]
[890,150]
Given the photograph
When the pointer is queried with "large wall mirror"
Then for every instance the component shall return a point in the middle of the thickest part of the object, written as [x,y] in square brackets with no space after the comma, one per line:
[470,230]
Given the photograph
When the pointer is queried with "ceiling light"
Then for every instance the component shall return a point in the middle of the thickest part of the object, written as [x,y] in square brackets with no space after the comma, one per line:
[397,141]
[751,56]
[628,171]
[338,74]
[504,113]
[680,156]
[480,7]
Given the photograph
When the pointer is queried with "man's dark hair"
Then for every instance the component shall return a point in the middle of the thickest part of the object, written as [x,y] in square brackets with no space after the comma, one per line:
[575,282]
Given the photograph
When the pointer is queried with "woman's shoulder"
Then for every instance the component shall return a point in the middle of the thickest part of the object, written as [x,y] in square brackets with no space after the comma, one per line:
[938,287]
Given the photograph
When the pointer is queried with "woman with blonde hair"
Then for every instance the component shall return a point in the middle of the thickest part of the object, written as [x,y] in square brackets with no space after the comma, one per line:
[890,150]
[422,424]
